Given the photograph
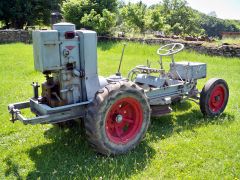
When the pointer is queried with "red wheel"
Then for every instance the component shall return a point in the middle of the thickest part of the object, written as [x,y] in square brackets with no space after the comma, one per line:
[214,97]
[217,96]
[118,118]
[124,120]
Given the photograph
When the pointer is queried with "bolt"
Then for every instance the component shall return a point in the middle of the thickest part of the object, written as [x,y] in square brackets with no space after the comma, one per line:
[119,118]
[217,98]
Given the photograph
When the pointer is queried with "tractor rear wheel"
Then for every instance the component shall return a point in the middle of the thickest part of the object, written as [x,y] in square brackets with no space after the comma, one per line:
[214,97]
[118,118]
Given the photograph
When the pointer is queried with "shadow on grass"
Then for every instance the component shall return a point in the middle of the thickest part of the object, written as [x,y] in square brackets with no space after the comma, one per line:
[12,168]
[165,126]
[186,105]
[67,155]
[106,46]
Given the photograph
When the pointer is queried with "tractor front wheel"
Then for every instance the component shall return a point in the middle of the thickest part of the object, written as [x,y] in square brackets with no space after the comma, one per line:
[118,118]
[214,97]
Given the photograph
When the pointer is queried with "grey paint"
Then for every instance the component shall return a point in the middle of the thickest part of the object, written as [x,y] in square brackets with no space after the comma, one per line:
[46,50]
[52,52]
[88,56]
[188,70]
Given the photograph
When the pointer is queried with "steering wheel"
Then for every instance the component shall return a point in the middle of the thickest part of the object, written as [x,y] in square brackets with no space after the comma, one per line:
[170,49]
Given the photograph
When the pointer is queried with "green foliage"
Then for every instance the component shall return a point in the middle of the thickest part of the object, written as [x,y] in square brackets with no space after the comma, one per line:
[214,26]
[74,10]
[235,22]
[93,14]
[19,13]
[167,29]
[154,20]
[181,18]
[100,23]
[104,16]
[133,16]
[172,17]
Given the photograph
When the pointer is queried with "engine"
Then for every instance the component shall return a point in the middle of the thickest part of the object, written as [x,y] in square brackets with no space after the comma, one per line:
[68,58]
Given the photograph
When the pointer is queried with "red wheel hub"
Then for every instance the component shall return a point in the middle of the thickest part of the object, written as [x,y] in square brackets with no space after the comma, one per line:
[217,97]
[124,120]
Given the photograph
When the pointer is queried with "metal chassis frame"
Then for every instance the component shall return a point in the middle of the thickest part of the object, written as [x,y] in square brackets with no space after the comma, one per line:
[182,89]
[46,114]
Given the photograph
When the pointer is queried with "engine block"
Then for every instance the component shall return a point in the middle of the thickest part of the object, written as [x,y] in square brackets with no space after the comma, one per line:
[68,58]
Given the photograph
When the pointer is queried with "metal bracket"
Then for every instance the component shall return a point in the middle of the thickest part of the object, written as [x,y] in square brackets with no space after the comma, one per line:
[82,73]
[14,110]
[46,114]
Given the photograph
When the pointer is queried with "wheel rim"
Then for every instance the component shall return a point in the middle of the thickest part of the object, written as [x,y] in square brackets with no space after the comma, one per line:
[124,120]
[217,98]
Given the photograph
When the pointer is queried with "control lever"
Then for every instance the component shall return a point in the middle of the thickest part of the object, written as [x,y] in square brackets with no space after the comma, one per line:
[118,73]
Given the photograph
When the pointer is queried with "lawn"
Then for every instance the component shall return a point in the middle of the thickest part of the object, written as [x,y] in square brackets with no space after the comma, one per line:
[180,145]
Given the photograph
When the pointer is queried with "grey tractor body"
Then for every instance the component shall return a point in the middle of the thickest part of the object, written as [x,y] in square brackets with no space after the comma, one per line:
[68,58]
[116,111]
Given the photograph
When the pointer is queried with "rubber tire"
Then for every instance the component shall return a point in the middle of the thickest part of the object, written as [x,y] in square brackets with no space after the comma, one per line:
[97,112]
[205,95]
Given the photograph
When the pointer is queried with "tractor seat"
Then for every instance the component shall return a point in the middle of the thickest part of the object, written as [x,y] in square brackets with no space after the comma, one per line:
[148,70]
[151,81]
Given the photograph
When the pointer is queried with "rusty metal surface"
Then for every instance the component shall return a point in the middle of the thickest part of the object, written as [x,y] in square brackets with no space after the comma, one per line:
[51,93]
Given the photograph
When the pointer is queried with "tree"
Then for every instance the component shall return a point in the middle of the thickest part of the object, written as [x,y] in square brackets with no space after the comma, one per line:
[133,16]
[181,18]
[19,13]
[212,13]
[100,23]
[153,19]
[91,14]
[214,26]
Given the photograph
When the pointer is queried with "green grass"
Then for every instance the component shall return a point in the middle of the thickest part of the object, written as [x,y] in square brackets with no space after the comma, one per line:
[180,145]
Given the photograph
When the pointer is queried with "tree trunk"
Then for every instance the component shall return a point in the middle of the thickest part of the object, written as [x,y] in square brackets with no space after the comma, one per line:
[19,23]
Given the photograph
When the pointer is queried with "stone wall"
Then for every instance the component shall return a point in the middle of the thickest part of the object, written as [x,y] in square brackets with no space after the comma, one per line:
[10,36]
[223,50]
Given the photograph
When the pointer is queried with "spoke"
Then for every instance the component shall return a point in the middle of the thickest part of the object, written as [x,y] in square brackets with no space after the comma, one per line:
[118,131]
[164,50]
[221,96]
[128,120]
[173,47]
[120,125]
[110,125]
[214,100]
[125,108]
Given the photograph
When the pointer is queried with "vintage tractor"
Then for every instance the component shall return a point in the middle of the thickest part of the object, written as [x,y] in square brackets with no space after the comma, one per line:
[116,110]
